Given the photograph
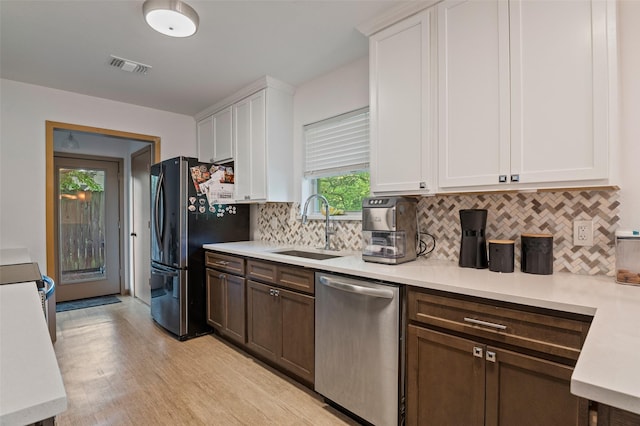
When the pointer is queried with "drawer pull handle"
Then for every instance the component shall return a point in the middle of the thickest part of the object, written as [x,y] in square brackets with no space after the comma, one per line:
[222,262]
[485,323]
[491,356]
[477,351]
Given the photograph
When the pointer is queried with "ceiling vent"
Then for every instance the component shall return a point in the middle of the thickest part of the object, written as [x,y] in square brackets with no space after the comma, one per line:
[129,66]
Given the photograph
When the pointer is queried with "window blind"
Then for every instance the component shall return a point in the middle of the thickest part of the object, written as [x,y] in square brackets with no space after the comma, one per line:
[337,145]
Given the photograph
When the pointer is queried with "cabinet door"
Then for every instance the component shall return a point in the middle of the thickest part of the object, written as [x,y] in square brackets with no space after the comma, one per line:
[524,390]
[263,320]
[250,146]
[223,136]
[258,146]
[205,139]
[401,105]
[235,308]
[215,299]
[242,145]
[473,92]
[445,379]
[297,328]
[559,90]
[611,416]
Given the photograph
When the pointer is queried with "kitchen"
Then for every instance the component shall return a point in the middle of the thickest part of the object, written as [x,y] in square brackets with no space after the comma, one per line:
[25,108]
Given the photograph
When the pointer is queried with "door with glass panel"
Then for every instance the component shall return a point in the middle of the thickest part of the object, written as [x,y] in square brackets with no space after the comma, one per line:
[87,221]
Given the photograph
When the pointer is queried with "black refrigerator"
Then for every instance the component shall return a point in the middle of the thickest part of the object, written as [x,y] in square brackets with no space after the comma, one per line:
[185,214]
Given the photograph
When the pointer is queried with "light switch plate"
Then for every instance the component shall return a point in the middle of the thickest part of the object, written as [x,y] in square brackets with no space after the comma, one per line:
[583,232]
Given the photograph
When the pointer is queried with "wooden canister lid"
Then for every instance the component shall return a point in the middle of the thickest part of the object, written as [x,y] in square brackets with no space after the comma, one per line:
[501,241]
[537,235]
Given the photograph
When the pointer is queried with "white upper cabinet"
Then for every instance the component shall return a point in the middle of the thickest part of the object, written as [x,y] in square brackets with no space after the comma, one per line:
[215,140]
[473,83]
[253,128]
[205,139]
[559,87]
[263,140]
[250,141]
[222,136]
[402,106]
[523,91]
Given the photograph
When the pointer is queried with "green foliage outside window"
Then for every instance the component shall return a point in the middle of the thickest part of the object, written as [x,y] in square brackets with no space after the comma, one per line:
[73,180]
[345,192]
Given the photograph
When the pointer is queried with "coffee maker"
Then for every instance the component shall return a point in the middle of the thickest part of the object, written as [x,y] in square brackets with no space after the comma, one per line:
[389,229]
[473,244]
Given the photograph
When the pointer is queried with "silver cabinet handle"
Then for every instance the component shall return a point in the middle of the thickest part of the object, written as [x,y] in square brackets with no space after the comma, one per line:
[477,351]
[485,323]
[352,288]
[274,292]
[222,262]
[491,356]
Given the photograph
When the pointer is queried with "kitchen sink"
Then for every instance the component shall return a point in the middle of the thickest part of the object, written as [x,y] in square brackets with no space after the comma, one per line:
[308,254]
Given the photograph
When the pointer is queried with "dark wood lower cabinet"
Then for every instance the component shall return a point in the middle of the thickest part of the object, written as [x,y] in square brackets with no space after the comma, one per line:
[297,327]
[457,381]
[610,416]
[526,390]
[226,305]
[280,328]
[445,384]
[262,320]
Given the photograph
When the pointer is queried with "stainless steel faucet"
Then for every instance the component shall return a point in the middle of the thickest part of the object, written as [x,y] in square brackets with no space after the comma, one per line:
[328,230]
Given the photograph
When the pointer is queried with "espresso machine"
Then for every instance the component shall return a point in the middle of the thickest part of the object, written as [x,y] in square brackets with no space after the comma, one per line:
[389,229]
[473,243]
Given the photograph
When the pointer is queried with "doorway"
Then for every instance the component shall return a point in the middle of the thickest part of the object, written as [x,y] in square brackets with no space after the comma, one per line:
[125,143]
[88,216]
[140,224]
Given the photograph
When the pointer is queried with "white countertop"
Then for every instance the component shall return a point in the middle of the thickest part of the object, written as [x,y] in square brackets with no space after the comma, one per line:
[31,387]
[608,369]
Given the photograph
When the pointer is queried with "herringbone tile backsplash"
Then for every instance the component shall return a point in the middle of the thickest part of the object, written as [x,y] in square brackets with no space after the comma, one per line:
[509,215]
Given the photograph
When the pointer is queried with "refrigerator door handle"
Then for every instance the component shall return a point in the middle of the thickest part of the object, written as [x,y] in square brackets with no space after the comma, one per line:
[156,219]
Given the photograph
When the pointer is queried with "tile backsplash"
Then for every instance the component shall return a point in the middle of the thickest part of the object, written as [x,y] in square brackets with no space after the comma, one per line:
[509,215]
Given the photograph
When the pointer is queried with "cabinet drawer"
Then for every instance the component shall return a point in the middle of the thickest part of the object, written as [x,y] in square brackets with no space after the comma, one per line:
[293,277]
[501,322]
[296,278]
[222,262]
[262,271]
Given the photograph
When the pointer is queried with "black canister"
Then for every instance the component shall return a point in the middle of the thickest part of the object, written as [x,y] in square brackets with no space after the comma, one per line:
[537,254]
[473,245]
[501,255]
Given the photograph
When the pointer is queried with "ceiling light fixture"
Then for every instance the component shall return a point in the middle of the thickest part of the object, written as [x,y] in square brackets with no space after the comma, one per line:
[171,17]
[70,142]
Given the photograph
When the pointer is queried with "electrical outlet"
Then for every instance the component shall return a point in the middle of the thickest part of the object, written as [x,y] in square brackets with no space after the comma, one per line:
[582,232]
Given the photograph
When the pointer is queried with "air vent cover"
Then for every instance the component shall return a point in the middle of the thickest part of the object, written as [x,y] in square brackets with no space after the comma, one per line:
[128,65]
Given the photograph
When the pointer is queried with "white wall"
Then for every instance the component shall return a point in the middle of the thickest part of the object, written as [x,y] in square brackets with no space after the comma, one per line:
[342,90]
[629,87]
[24,108]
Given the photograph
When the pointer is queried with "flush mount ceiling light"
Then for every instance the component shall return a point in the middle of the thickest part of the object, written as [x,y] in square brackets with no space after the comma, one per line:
[171,17]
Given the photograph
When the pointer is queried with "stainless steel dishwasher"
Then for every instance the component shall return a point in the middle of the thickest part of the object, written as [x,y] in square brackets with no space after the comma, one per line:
[360,347]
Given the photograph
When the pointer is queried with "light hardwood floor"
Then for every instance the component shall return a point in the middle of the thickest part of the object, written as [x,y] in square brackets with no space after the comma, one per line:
[119,368]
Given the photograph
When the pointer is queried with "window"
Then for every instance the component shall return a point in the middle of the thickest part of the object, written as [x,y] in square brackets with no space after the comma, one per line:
[337,160]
